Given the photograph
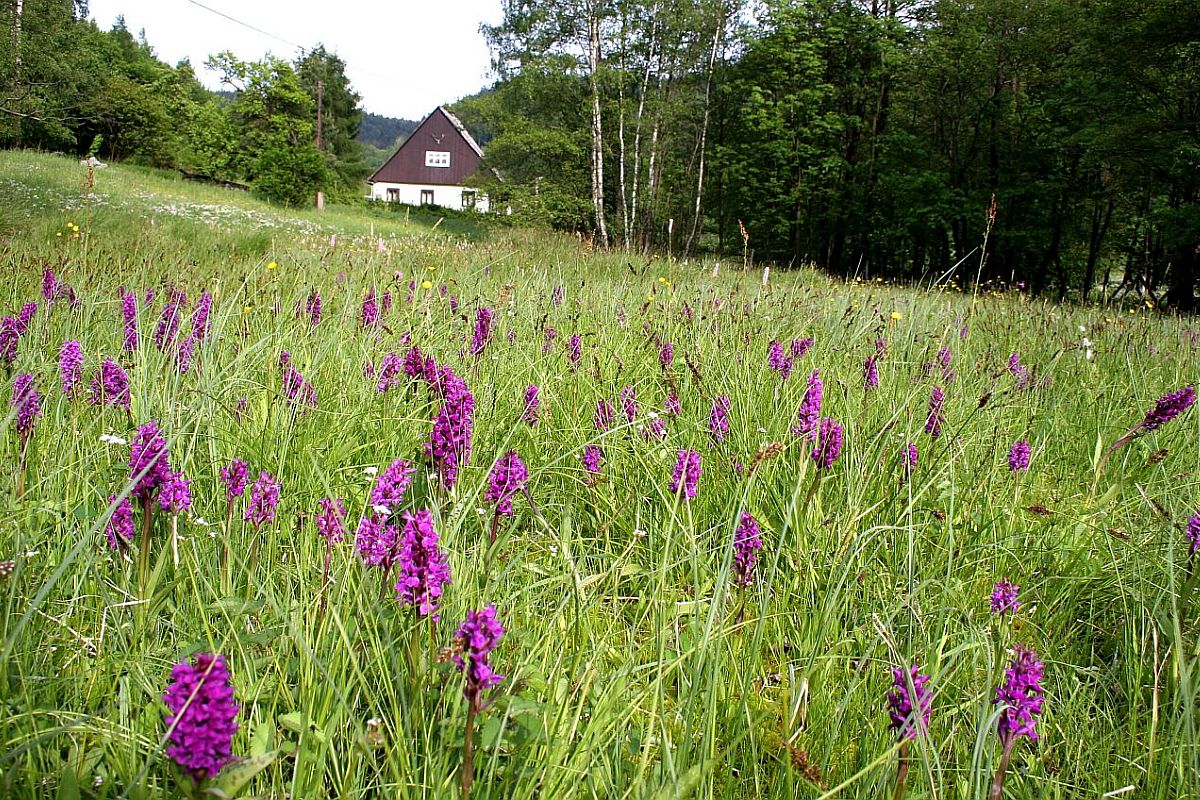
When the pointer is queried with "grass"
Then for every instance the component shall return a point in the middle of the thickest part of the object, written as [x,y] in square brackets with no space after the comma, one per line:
[627,672]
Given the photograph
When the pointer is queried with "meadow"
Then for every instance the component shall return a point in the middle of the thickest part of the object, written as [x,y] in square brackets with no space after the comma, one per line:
[650,648]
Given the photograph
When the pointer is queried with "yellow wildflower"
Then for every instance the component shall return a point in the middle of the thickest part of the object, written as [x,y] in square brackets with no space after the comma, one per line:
[426,284]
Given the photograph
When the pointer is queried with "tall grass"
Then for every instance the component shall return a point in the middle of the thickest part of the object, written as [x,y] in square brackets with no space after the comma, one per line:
[627,672]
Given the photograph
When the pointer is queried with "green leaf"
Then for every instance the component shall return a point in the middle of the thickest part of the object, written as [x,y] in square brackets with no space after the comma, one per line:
[236,776]
[264,735]
[491,734]
[68,786]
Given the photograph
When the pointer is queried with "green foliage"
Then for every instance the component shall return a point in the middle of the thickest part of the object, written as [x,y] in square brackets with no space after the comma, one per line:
[343,154]
[629,671]
[274,118]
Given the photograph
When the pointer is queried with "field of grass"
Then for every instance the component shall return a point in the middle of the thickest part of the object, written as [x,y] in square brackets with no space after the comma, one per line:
[633,665]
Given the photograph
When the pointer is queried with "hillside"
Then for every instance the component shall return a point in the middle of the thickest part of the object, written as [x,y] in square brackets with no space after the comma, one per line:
[369,505]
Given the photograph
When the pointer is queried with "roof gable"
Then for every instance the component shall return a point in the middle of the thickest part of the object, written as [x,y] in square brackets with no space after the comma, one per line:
[439,152]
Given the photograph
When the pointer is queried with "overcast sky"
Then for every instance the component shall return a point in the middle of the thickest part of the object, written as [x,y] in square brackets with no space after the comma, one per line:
[405,57]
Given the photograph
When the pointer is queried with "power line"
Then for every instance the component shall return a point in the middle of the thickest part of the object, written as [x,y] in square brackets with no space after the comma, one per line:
[303,50]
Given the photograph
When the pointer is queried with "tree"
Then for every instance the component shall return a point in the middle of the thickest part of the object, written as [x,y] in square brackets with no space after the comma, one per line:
[341,117]
[274,120]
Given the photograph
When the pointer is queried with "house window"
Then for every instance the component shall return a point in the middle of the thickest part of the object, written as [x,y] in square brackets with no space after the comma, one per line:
[393,195]
[427,197]
[437,158]
[468,198]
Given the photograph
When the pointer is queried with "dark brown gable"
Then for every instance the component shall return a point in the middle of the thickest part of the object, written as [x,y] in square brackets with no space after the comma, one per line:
[440,138]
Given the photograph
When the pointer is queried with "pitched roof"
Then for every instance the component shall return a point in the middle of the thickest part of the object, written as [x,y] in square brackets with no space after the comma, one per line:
[408,163]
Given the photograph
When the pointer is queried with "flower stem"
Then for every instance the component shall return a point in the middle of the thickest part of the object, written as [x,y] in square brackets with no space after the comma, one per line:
[902,772]
[144,547]
[998,781]
[468,765]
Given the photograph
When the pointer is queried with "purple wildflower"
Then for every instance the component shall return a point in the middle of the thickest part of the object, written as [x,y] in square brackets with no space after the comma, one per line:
[1193,533]
[331,519]
[453,300]
[149,464]
[800,347]
[1004,598]
[422,567]
[910,703]
[870,373]
[203,716]
[200,322]
[1021,696]
[507,479]
[908,459]
[183,356]
[28,403]
[375,541]
[389,372]
[1018,456]
[775,356]
[449,442]
[264,497]
[49,285]
[9,337]
[592,457]
[70,366]
[603,419]
[666,354]
[672,406]
[129,315]
[530,414]
[168,322]
[655,427]
[312,308]
[944,355]
[1169,407]
[574,351]
[370,311]
[476,638]
[25,317]
[176,493]
[829,443]
[718,418]
[548,337]
[687,473]
[629,402]
[483,331]
[810,407]
[390,488]
[110,386]
[556,297]
[933,423]
[747,541]
[120,525]
[298,391]
[235,478]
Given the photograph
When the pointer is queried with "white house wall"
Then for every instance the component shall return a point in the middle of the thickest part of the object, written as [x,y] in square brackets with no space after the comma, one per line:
[444,196]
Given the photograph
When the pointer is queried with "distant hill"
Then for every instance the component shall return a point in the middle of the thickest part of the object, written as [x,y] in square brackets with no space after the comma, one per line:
[383,132]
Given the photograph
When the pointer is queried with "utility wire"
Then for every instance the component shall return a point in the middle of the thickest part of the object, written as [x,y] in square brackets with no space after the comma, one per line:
[303,50]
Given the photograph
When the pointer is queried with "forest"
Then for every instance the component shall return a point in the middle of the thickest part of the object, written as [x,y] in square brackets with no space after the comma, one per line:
[1050,145]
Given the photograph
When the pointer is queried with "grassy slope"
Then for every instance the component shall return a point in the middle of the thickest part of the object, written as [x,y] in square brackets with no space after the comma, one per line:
[626,670]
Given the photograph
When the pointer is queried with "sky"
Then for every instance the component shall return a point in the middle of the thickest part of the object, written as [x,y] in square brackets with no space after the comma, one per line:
[405,57]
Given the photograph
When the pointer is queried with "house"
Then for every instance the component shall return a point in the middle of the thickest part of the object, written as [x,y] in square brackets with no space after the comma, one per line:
[431,167]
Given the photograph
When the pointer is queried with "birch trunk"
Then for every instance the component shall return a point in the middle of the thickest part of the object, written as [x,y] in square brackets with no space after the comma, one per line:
[718,37]
[597,130]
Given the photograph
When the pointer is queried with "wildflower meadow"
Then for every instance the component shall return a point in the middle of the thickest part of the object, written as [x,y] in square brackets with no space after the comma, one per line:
[362,505]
